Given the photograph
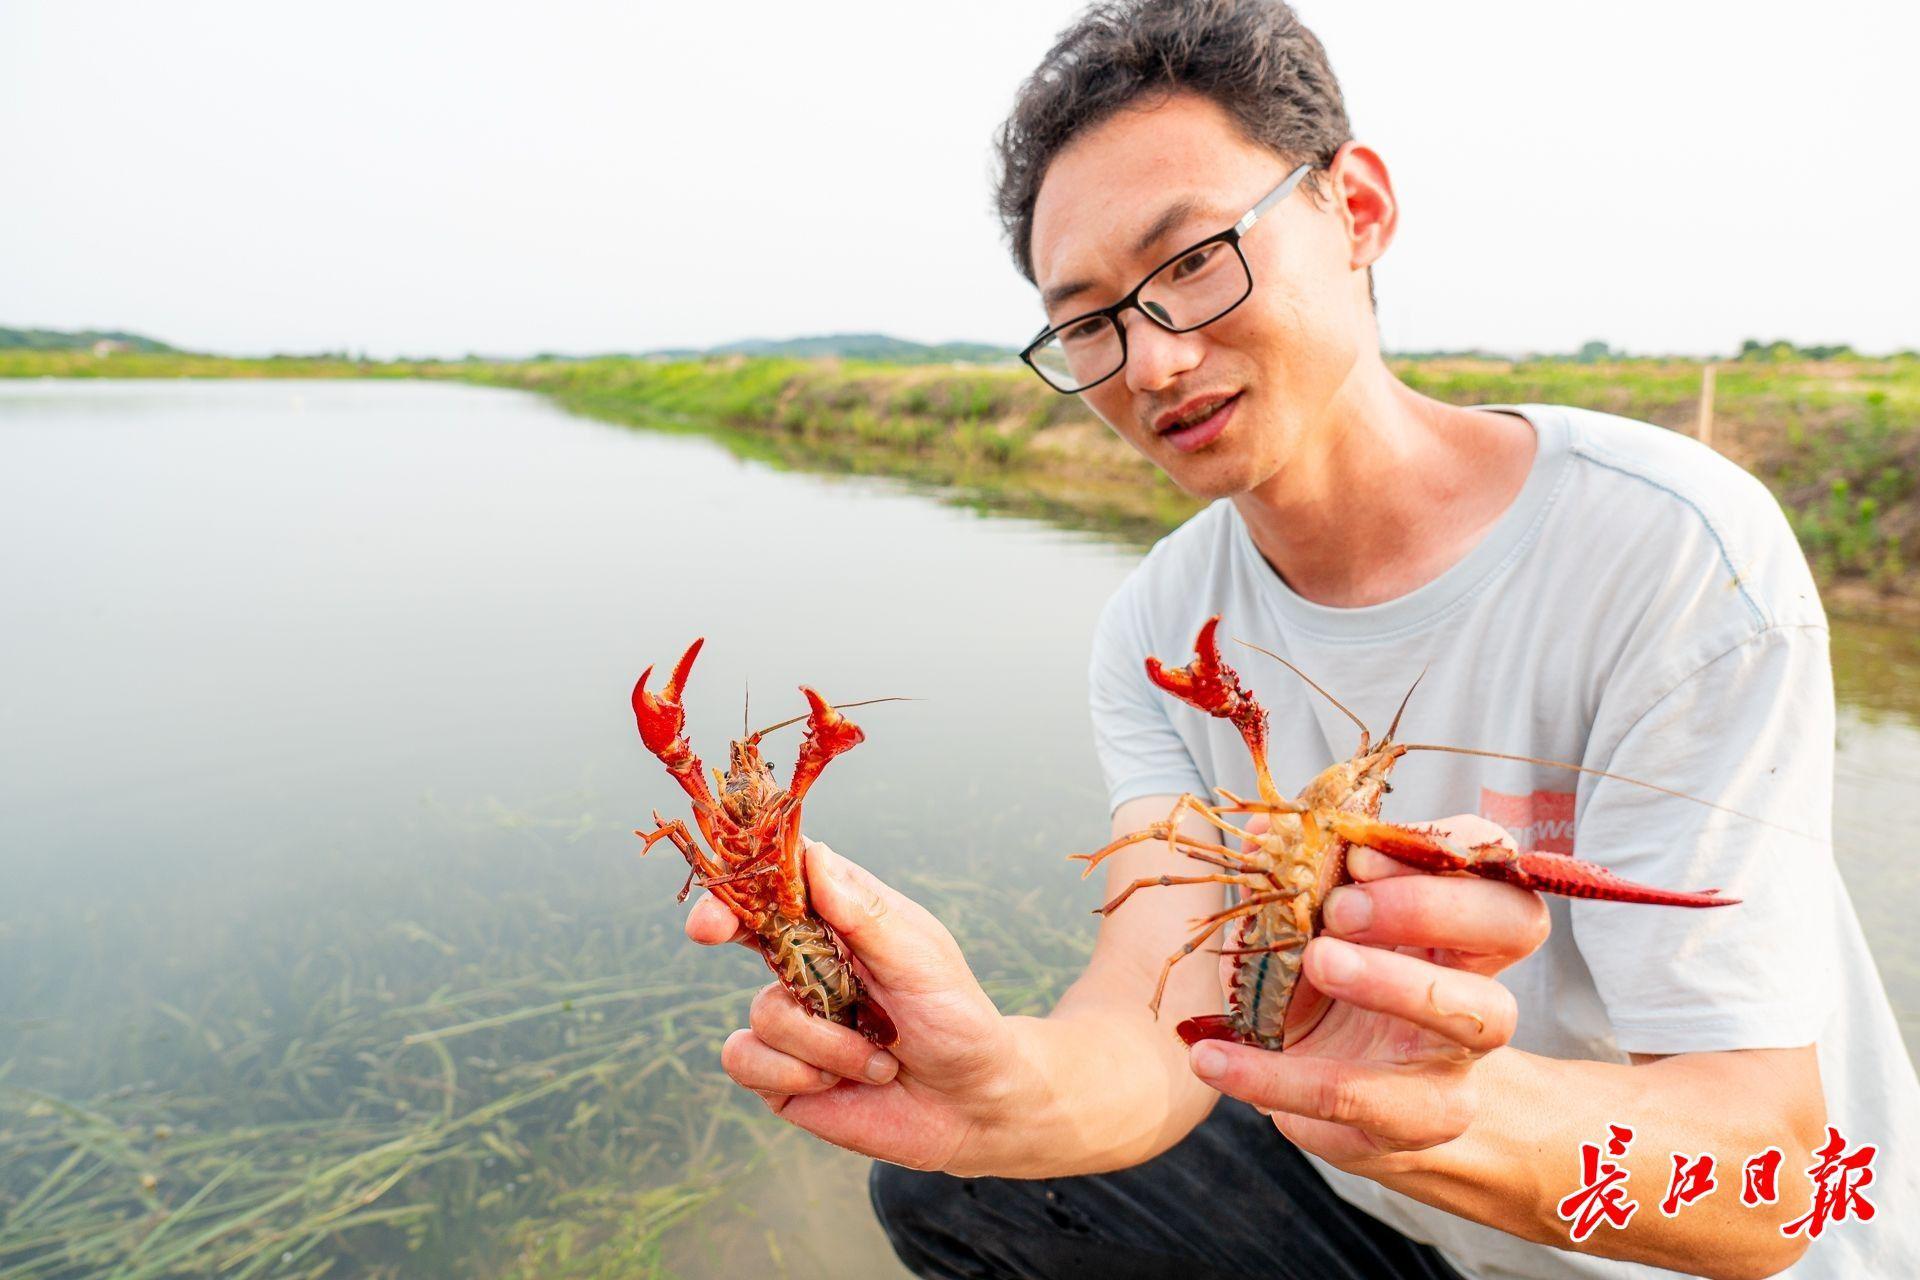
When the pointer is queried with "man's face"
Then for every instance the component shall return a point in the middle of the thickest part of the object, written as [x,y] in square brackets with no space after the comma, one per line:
[1282,356]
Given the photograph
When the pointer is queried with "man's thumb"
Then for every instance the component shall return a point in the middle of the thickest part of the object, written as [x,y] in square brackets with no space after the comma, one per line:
[901,944]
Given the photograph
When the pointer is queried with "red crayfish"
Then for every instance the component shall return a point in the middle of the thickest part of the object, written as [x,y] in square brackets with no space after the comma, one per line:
[753,830]
[1287,870]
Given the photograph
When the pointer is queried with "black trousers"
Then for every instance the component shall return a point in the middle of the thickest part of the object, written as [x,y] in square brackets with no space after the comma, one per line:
[1233,1200]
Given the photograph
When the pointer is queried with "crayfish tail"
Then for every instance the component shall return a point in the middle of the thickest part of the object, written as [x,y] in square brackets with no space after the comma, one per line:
[1211,1026]
[871,1021]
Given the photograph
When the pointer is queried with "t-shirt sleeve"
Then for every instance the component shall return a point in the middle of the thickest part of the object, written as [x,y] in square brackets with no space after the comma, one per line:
[1752,730]
[1141,754]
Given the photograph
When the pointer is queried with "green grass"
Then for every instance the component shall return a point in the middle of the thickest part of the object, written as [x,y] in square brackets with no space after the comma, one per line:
[1837,441]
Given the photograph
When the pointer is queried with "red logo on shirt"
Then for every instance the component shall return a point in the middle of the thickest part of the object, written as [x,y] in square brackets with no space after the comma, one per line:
[1541,821]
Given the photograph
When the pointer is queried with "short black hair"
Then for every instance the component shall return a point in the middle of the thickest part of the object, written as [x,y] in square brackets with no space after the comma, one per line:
[1252,57]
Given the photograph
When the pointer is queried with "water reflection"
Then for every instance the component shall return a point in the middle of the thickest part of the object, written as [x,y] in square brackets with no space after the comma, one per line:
[1877,798]
[317,790]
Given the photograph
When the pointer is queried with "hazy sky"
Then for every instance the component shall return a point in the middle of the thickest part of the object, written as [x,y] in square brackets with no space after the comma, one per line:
[410,177]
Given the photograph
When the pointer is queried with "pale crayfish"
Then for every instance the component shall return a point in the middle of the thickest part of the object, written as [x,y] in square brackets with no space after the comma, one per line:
[753,830]
[1287,870]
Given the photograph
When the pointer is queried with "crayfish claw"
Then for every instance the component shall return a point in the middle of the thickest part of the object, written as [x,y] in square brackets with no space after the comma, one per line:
[1210,685]
[661,717]
[1207,682]
[826,726]
[828,734]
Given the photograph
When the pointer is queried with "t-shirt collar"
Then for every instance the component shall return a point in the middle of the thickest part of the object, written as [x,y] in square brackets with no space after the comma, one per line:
[1453,589]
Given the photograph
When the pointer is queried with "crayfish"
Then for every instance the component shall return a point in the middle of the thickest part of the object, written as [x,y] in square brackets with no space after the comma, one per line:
[753,830]
[1287,870]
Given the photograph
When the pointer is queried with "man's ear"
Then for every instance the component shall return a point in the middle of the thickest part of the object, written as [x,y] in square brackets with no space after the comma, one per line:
[1363,196]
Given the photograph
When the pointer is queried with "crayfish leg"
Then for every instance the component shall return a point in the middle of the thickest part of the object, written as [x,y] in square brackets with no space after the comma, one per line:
[1158,831]
[1236,804]
[675,831]
[1168,830]
[1158,882]
[1207,926]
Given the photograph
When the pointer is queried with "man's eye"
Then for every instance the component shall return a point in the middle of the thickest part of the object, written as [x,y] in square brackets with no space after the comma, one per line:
[1193,263]
[1084,331]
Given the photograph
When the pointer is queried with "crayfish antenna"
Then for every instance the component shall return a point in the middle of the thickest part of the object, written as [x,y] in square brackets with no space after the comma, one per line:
[838,706]
[1366,735]
[1602,773]
[1395,726]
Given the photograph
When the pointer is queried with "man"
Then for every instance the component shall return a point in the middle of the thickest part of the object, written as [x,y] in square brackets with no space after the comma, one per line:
[1582,588]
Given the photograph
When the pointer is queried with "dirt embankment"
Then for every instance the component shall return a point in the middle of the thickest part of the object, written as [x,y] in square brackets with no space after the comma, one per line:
[1837,441]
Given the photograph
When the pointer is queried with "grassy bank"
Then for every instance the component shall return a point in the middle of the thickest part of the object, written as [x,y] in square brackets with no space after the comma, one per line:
[1838,441]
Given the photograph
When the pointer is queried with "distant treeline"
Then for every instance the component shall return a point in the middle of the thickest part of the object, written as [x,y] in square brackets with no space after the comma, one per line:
[877,347]
[881,348]
[76,340]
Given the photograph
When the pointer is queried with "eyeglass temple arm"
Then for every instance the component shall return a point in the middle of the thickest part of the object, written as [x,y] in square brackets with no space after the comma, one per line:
[1271,199]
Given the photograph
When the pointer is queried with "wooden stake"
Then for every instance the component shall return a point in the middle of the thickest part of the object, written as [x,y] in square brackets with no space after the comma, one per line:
[1703,426]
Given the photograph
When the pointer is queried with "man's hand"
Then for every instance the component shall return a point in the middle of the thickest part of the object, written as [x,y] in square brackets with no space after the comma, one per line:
[949,1078]
[1407,960]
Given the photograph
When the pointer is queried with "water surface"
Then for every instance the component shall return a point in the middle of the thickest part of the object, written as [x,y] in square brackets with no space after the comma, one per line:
[318,788]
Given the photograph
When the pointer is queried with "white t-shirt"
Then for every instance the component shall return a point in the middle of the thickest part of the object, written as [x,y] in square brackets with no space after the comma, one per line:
[1641,608]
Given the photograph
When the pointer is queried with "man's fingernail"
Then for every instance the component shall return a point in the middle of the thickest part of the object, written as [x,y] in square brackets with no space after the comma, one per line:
[1209,1059]
[1338,962]
[828,1078]
[1349,910]
[882,1067]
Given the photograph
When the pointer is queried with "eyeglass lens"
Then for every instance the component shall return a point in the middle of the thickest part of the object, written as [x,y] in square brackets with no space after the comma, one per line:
[1194,289]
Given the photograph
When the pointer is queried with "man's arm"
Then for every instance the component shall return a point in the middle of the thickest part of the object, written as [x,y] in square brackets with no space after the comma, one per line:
[1516,1162]
[1097,1084]
[1444,1111]
[1129,1093]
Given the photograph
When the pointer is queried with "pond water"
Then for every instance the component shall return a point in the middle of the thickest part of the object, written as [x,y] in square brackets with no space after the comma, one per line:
[321,906]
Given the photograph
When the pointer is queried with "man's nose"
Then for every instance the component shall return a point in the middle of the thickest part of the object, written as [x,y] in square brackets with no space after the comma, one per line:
[1156,357]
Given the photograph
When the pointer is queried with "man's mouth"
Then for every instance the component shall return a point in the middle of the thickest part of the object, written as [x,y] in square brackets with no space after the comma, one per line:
[1197,423]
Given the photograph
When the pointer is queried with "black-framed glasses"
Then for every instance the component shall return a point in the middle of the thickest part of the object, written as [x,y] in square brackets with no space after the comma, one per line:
[1193,288]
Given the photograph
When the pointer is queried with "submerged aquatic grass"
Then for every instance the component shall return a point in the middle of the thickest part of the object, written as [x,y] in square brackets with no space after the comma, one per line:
[469,1082]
